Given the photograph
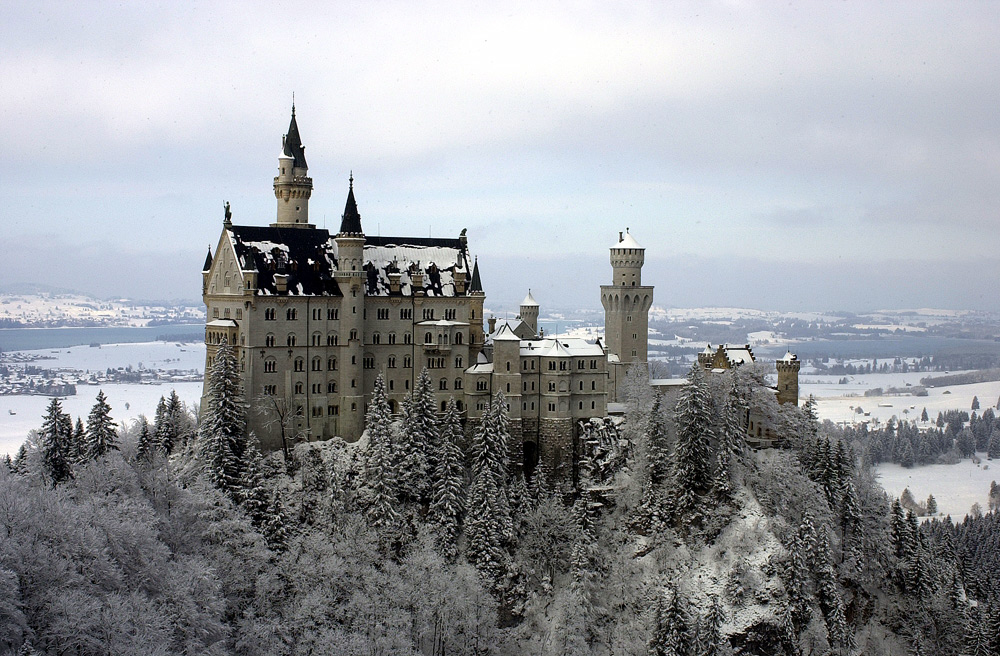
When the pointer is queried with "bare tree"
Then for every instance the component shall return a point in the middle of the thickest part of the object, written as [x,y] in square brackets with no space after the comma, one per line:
[280,414]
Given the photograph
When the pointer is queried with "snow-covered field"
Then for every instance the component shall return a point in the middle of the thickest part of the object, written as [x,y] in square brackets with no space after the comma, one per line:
[43,309]
[838,403]
[955,487]
[141,399]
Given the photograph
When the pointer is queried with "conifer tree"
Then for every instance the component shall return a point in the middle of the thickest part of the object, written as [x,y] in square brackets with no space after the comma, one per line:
[222,434]
[670,628]
[275,522]
[160,424]
[54,443]
[255,497]
[714,641]
[78,443]
[489,526]
[380,473]
[101,435]
[658,449]
[694,437]
[448,491]
[932,507]
[419,436]
[173,423]
[145,447]
[732,443]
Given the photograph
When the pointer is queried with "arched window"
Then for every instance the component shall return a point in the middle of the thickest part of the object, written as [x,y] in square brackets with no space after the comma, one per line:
[354,335]
[428,338]
[317,339]
[300,364]
[443,384]
[331,364]
[332,339]
[290,314]
[291,339]
[270,365]
[458,383]
[376,338]
[458,338]
[298,388]
[317,364]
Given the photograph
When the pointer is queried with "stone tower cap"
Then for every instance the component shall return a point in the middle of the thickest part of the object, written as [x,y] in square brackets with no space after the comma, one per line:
[529,300]
[626,240]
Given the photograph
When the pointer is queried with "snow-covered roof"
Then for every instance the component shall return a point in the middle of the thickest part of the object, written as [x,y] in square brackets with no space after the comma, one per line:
[442,323]
[221,323]
[668,382]
[504,333]
[480,368]
[529,300]
[560,347]
[788,357]
[310,259]
[627,241]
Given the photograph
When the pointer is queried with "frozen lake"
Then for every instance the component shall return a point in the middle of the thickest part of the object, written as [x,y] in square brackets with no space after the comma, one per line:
[141,399]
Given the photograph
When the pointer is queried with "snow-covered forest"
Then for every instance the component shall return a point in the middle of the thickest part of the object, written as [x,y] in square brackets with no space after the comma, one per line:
[670,537]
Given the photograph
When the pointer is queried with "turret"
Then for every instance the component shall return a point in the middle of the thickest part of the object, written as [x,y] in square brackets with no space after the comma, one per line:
[350,276]
[529,313]
[206,270]
[626,303]
[292,185]
[788,378]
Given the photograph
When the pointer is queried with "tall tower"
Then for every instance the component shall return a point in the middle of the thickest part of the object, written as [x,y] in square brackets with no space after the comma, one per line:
[788,379]
[529,312]
[626,304]
[350,276]
[292,185]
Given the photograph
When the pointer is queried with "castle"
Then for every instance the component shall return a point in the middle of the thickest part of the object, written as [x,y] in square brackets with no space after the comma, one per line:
[315,317]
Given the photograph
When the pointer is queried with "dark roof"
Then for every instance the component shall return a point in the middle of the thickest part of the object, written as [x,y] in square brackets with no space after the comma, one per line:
[350,223]
[302,253]
[476,285]
[208,260]
[308,257]
[292,146]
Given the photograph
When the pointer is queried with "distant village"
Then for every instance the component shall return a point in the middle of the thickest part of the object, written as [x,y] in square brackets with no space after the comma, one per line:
[49,310]
[26,374]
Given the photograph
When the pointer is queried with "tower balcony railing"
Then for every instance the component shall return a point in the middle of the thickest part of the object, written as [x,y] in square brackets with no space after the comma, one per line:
[296,178]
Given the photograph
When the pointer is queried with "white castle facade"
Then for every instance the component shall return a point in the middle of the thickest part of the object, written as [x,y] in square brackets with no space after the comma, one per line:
[314,317]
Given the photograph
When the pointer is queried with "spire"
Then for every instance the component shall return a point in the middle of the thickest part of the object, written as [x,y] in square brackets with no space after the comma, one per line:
[529,300]
[476,286]
[351,221]
[292,143]
[208,260]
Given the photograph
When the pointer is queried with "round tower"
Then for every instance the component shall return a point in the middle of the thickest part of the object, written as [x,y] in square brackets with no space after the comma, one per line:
[788,378]
[626,303]
[292,185]
[350,276]
[529,313]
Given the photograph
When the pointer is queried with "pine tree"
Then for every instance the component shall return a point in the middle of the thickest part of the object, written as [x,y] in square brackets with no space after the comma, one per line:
[931,505]
[714,641]
[448,491]
[145,447]
[275,521]
[101,435]
[658,448]
[315,487]
[173,423]
[54,443]
[255,497]
[669,637]
[489,526]
[78,443]
[380,473]
[418,439]
[923,415]
[975,402]
[732,443]
[694,437]
[222,437]
[160,424]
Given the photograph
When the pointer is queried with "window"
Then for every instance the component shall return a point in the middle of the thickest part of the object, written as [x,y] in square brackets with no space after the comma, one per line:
[391,362]
[458,362]
[269,314]
[317,339]
[407,338]
[580,364]
[508,366]
[392,338]
[592,405]
[300,364]
[317,314]
[428,338]
[458,383]
[317,411]
[376,338]
[443,384]
[215,313]
[270,366]
[406,313]
[449,314]
[481,385]
[458,338]
[317,364]
[354,335]
[269,340]
[369,362]
[225,313]
[593,364]
[383,313]
[331,364]
[270,390]
[593,385]
[552,366]
[298,388]
[407,363]
[316,388]
[552,407]
[552,386]
[581,405]
[354,359]
[332,339]
[581,385]
[354,383]
[428,314]
[508,388]
[332,314]
[290,314]
[239,313]
[332,410]
[331,387]
[290,340]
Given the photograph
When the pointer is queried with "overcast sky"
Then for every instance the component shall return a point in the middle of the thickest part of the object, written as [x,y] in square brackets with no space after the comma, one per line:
[803,156]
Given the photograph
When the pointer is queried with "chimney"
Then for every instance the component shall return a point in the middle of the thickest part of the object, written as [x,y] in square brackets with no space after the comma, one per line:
[493,324]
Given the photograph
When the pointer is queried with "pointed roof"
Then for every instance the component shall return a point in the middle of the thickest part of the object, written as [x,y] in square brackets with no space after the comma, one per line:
[351,220]
[208,260]
[476,286]
[529,300]
[291,144]
[626,240]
